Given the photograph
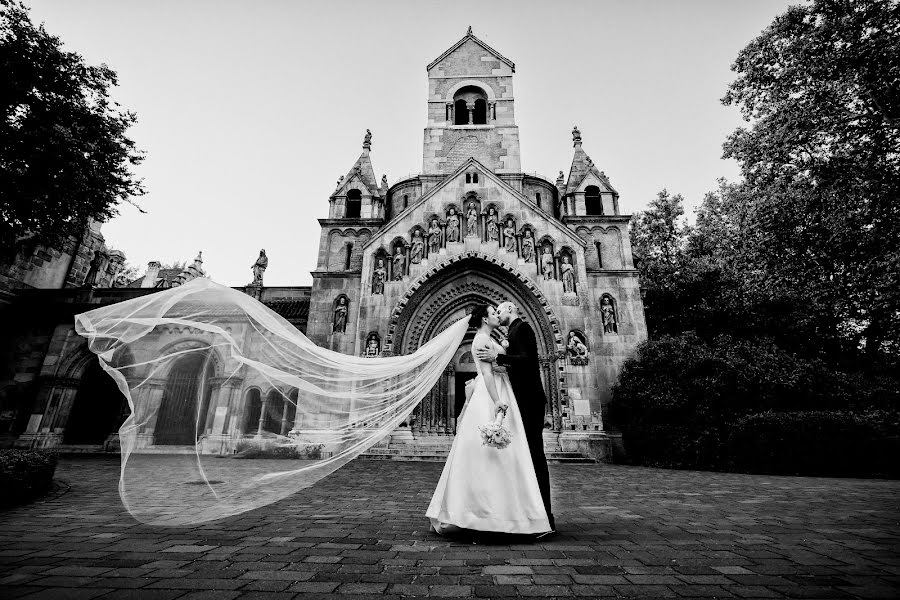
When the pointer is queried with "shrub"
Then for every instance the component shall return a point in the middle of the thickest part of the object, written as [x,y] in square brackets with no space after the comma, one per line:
[677,401]
[263,449]
[834,443]
[25,474]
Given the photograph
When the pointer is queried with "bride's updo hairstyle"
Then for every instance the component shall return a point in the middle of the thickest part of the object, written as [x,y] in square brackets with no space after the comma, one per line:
[479,313]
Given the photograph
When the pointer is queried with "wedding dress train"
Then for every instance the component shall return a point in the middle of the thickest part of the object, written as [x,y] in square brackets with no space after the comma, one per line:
[484,488]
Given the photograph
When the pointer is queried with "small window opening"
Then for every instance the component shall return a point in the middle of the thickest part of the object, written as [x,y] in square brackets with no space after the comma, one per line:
[354,204]
[592,204]
[599,255]
[347,258]
[537,198]
[405,201]
[468,178]
[475,178]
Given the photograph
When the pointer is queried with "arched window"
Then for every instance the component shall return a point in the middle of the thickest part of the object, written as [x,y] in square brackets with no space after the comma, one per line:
[276,412]
[468,178]
[480,114]
[460,112]
[475,178]
[599,254]
[252,410]
[537,198]
[592,203]
[347,258]
[405,201]
[354,204]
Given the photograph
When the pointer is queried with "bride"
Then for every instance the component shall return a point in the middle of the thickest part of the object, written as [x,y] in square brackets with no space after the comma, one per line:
[483,488]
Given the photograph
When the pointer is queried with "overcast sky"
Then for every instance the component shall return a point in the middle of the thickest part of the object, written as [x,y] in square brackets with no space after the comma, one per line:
[249,111]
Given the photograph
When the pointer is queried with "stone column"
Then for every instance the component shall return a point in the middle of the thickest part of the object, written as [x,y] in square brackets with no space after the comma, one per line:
[556,262]
[470,107]
[407,247]
[451,399]
[449,113]
[263,407]
[484,226]
[443,225]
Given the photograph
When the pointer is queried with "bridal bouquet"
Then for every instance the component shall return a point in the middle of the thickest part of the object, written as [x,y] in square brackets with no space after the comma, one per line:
[495,434]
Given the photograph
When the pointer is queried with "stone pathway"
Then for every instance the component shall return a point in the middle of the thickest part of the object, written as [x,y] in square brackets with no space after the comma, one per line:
[624,532]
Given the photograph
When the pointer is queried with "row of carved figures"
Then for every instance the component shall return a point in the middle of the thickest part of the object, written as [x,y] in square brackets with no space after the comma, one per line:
[550,265]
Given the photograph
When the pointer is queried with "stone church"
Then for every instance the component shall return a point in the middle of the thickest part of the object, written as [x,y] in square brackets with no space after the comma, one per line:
[396,265]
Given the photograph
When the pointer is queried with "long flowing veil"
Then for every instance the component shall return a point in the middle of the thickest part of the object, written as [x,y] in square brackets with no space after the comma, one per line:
[233,408]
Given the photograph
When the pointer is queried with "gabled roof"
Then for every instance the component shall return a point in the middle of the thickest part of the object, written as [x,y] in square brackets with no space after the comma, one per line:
[582,165]
[470,36]
[362,169]
[490,175]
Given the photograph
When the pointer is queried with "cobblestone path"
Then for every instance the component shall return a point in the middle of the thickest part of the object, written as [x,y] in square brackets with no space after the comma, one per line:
[623,532]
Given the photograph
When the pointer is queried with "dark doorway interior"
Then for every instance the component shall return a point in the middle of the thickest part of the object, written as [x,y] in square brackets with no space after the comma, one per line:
[461,379]
[96,410]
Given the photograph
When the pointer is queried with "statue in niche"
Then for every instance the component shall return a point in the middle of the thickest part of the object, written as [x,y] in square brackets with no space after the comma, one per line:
[418,248]
[399,264]
[492,227]
[472,220]
[509,234]
[452,226]
[547,264]
[528,246]
[567,274]
[373,346]
[259,267]
[339,323]
[608,312]
[576,349]
[434,237]
[378,277]
[93,274]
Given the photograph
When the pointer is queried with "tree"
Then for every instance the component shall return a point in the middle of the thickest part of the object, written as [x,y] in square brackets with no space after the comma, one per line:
[820,220]
[657,237]
[64,154]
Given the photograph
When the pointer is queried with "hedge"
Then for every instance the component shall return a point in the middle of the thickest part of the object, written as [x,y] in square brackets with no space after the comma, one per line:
[747,405]
[25,475]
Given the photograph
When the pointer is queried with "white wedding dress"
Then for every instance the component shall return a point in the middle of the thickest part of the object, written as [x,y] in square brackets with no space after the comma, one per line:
[484,488]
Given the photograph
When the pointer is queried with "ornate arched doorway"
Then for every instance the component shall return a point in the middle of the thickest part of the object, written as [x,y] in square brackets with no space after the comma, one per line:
[446,294]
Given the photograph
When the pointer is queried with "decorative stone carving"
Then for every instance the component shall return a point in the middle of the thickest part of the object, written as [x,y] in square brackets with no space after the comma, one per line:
[94,268]
[339,322]
[259,268]
[567,274]
[418,248]
[452,226]
[367,140]
[509,236]
[472,220]
[608,313]
[547,264]
[399,264]
[576,135]
[379,275]
[577,349]
[373,346]
[493,229]
[434,237]
[528,246]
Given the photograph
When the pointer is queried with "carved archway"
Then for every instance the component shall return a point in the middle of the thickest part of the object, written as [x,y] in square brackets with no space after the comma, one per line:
[440,296]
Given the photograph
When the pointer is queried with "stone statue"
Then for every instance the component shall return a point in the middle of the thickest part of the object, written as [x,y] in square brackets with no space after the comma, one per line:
[547,263]
[608,312]
[434,237]
[528,246]
[418,248]
[339,324]
[93,274]
[452,226]
[373,347]
[575,346]
[576,135]
[367,140]
[472,220]
[492,227]
[378,277]
[384,183]
[259,267]
[567,274]
[399,264]
[509,234]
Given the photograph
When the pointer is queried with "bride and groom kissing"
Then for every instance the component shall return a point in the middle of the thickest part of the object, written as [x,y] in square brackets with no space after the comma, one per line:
[483,488]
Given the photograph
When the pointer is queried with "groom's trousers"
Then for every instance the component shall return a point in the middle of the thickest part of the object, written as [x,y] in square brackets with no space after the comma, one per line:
[534,434]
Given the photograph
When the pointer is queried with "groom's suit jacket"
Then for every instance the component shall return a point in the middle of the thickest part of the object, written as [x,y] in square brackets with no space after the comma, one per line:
[521,361]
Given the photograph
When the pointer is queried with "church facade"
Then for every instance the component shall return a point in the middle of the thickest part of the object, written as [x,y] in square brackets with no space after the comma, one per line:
[396,265]
[399,263]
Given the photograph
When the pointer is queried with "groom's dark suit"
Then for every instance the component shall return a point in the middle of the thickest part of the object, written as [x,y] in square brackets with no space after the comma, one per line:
[521,360]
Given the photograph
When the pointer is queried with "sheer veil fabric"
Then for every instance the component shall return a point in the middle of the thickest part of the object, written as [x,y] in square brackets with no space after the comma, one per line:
[207,371]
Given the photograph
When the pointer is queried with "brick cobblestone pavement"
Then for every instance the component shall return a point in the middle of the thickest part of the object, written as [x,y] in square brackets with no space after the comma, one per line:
[623,532]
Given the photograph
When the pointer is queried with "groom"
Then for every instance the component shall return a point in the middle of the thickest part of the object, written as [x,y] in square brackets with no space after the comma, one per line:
[521,360]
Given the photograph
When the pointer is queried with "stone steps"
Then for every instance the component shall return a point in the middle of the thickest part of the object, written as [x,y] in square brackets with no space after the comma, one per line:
[434,454]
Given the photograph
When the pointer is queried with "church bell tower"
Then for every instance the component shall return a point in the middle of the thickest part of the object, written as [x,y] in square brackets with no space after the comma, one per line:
[470,110]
